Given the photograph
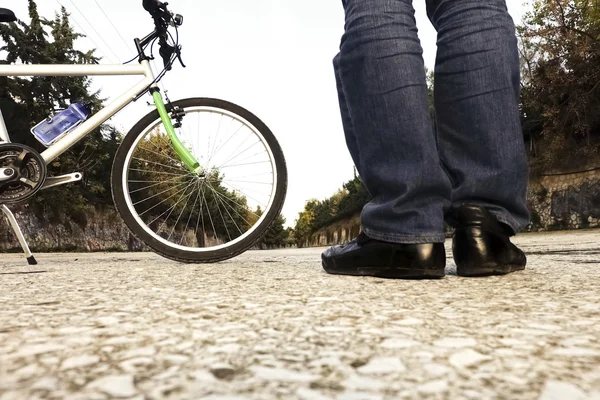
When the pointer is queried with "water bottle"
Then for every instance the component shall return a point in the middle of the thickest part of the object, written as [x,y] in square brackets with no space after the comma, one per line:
[55,127]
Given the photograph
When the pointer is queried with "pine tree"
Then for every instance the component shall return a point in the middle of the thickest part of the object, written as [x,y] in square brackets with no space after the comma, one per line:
[277,235]
[27,101]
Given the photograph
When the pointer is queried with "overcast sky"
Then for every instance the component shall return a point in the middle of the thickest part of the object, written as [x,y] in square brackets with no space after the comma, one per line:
[272,57]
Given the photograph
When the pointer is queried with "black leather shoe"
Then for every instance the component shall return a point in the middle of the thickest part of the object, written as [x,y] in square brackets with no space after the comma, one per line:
[481,244]
[369,257]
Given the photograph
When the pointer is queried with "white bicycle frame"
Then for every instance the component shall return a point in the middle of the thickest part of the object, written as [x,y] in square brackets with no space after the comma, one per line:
[142,69]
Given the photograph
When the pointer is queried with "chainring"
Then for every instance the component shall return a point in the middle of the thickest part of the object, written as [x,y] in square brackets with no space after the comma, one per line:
[23,173]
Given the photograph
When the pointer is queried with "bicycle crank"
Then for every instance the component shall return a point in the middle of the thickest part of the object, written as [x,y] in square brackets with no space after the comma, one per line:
[22,173]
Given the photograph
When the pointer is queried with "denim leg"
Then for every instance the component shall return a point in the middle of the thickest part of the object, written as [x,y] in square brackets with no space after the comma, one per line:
[477,84]
[345,113]
[382,77]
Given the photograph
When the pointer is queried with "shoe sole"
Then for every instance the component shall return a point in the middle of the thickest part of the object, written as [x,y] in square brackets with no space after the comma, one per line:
[389,273]
[470,272]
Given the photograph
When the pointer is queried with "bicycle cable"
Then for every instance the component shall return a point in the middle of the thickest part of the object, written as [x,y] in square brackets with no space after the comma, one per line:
[168,65]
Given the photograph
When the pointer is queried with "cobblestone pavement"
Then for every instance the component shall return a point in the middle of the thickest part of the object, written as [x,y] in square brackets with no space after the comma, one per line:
[272,325]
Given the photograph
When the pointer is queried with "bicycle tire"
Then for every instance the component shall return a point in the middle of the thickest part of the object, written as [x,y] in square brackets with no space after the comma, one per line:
[186,256]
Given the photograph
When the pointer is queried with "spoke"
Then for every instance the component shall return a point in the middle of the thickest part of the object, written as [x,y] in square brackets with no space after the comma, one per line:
[258,190]
[228,213]
[253,175]
[163,138]
[246,195]
[158,194]
[157,172]
[170,208]
[193,147]
[209,217]
[153,171]
[234,210]
[245,207]
[191,213]
[198,132]
[212,153]
[241,205]
[250,157]
[161,154]
[153,185]
[157,218]
[240,165]
[260,183]
[156,205]
[207,147]
[131,181]
[239,154]
[222,217]
[198,220]
[230,137]
[157,163]
[179,217]
[238,147]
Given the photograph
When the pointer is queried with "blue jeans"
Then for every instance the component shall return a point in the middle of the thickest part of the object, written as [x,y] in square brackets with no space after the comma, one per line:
[475,155]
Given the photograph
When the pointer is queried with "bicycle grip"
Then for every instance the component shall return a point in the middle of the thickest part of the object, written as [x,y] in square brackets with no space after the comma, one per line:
[152,6]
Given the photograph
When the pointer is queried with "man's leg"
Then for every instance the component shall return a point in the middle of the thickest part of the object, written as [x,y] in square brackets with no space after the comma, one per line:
[383,100]
[477,85]
[479,132]
[345,113]
[382,76]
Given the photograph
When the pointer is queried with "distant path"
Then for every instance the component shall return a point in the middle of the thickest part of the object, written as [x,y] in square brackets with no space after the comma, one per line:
[273,325]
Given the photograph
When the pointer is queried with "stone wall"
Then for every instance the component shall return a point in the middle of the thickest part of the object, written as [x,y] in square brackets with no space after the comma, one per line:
[557,202]
[339,232]
[89,230]
[565,201]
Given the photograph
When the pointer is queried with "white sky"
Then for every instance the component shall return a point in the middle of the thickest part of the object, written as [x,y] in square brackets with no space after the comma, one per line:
[272,57]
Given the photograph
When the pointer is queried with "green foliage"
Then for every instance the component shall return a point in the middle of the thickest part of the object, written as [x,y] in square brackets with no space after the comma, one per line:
[169,200]
[560,51]
[27,101]
[304,223]
[317,214]
[276,236]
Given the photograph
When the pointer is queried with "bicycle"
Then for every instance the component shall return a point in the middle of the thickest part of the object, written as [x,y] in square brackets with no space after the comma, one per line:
[170,159]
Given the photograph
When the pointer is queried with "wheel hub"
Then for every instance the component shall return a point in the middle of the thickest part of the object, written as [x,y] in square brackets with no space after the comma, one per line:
[22,173]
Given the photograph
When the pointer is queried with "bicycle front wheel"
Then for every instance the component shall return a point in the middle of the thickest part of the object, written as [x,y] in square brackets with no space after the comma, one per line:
[201,217]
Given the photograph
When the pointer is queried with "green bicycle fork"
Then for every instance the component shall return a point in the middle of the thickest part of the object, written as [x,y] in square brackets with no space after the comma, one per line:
[188,159]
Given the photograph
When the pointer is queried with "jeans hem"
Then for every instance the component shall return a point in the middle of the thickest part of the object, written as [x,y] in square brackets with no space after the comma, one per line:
[405,239]
[502,216]
[516,227]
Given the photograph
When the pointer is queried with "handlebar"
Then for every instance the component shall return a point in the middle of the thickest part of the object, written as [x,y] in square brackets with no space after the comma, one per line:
[163,18]
[151,5]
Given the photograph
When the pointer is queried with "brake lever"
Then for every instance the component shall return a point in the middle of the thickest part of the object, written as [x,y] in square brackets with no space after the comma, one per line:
[178,50]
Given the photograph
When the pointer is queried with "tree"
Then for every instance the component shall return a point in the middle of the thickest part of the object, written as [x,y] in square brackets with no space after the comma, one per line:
[304,223]
[27,101]
[346,202]
[277,236]
[195,211]
[560,50]
[356,197]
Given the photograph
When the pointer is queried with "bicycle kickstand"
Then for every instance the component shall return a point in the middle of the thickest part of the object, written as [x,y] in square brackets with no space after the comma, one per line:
[14,224]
